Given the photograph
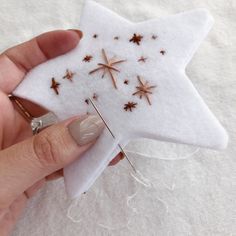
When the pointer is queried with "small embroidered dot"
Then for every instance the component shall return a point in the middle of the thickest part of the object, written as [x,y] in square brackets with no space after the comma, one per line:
[130,106]
[86,101]
[137,38]
[142,59]
[69,75]
[95,97]
[55,85]
[126,82]
[163,52]
[116,38]
[95,36]
[154,37]
[87,58]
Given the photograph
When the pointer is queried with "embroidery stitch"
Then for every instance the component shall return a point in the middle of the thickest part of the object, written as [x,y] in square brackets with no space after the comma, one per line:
[87,101]
[87,58]
[126,82]
[95,97]
[154,37]
[142,59]
[95,36]
[136,38]
[69,75]
[163,52]
[116,38]
[55,85]
[144,89]
[130,106]
[108,66]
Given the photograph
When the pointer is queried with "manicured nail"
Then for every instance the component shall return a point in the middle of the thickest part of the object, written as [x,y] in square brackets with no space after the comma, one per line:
[86,130]
[79,32]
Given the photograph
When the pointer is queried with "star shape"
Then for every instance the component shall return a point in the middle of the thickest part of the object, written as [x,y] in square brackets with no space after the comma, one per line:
[144,89]
[130,106]
[87,58]
[142,59]
[178,115]
[69,75]
[55,85]
[108,67]
[136,38]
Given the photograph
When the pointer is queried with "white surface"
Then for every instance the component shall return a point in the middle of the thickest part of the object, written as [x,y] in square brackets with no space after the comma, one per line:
[190,197]
[176,114]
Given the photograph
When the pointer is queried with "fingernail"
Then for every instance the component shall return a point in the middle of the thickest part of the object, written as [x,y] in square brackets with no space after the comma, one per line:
[86,130]
[79,32]
[122,156]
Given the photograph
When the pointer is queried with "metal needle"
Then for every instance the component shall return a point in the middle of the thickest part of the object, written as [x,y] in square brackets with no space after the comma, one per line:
[122,150]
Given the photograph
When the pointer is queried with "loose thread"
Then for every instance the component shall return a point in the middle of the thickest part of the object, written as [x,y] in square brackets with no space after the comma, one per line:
[162,158]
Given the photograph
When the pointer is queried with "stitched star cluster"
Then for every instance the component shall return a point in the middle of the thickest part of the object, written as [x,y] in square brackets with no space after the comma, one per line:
[108,66]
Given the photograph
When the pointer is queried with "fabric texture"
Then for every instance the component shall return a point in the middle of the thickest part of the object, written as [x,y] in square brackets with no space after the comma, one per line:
[154,52]
[193,191]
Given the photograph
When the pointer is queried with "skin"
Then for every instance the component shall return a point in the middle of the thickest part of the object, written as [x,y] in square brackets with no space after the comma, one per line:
[22,170]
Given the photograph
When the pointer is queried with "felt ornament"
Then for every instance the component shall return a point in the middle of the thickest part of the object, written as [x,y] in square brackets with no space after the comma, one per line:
[135,74]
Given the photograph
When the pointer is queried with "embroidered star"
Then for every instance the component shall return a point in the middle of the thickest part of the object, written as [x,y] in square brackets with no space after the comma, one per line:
[163,52]
[154,37]
[144,89]
[126,81]
[136,39]
[95,97]
[87,58]
[142,59]
[69,75]
[86,101]
[130,106]
[55,85]
[108,66]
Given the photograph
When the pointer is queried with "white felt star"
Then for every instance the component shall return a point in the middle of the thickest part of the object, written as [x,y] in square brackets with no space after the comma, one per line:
[174,112]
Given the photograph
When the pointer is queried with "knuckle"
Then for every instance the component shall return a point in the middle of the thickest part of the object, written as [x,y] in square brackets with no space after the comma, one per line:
[45,147]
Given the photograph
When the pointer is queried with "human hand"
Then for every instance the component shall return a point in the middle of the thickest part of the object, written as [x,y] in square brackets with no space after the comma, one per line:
[26,161]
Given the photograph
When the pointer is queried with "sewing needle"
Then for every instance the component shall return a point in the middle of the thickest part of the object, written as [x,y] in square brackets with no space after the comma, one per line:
[105,123]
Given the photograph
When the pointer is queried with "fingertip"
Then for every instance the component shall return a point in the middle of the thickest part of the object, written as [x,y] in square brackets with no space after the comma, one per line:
[115,160]
[79,32]
[58,42]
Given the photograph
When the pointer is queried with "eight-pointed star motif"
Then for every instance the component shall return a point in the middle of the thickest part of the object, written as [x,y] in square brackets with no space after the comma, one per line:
[136,38]
[130,106]
[144,89]
[178,113]
[108,66]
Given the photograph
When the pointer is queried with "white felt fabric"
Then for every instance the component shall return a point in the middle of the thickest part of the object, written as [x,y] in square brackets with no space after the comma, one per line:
[177,114]
[199,192]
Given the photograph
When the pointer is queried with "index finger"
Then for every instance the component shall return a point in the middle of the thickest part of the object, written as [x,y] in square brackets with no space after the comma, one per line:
[18,60]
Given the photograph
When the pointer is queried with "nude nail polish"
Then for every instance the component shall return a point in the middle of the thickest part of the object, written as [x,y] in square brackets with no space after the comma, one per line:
[86,130]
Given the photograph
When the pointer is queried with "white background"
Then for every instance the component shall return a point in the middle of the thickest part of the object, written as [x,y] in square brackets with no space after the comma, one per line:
[189,194]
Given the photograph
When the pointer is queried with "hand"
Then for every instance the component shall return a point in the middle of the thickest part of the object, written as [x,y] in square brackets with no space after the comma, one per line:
[26,161]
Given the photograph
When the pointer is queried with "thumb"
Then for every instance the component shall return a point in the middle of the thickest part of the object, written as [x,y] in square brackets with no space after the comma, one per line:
[25,163]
